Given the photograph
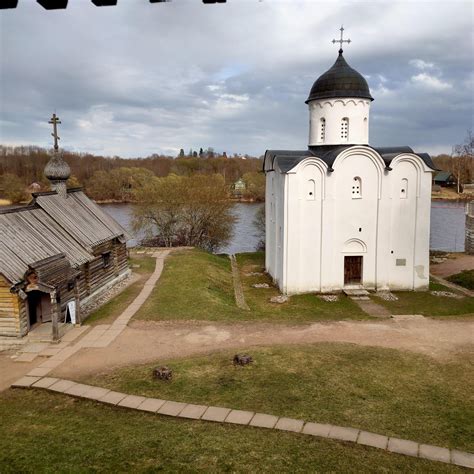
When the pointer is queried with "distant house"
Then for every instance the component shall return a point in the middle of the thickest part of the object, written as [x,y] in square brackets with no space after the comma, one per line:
[57,254]
[239,187]
[444,179]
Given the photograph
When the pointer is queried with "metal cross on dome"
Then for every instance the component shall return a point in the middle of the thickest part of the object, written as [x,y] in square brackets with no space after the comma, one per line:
[340,41]
[55,120]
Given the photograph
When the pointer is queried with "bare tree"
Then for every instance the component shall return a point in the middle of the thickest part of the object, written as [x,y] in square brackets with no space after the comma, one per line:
[182,210]
[463,161]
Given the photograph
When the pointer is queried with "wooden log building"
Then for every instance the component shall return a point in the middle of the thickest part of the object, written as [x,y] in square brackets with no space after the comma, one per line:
[56,254]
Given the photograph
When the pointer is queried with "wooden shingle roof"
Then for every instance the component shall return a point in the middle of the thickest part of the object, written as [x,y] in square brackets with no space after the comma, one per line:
[52,225]
[30,234]
[80,217]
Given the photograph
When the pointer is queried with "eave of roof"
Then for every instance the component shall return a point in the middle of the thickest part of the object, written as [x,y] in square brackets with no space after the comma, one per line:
[288,159]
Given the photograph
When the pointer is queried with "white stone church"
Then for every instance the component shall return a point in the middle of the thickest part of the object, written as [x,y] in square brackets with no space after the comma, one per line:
[342,214]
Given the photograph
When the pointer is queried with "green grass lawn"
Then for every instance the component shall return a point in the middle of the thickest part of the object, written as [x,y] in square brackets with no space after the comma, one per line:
[419,302]
[109,311]
[465,279]
[196,285]
[45,432]
[300,307]
[381,390]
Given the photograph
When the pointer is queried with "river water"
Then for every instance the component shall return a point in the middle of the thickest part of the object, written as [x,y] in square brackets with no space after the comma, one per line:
[447,225]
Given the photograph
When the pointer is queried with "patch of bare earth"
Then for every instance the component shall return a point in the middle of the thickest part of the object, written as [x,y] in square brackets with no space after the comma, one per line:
[10,371]
[147,341]
[456,263]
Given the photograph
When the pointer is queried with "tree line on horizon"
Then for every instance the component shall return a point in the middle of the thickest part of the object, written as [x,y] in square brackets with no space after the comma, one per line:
[116,178]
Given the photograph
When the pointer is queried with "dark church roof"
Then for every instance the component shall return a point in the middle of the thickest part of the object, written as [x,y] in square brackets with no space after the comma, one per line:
[340,81]
[52,225]
[288,159]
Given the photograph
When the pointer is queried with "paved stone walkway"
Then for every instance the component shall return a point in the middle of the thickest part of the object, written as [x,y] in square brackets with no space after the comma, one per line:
[249,418]
[101,335]
[373,309]
[32,350]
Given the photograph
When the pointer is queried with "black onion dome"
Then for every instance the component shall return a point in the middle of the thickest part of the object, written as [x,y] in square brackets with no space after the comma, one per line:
[340,81]
[57,169]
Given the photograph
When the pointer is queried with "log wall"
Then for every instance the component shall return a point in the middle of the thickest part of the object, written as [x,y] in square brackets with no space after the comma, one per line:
[94,275]
[10,311]
[100,274]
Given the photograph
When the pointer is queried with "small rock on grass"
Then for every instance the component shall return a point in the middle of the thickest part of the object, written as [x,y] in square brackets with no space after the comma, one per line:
[163,373]
[447,294]
[242,359]
[261,285]
[280,299]
[387,296]
[329,298]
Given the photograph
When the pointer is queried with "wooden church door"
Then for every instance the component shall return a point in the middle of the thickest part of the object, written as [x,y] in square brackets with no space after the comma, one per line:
[352,270]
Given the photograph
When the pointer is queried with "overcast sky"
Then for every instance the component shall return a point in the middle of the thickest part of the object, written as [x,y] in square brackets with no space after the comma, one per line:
[141,78]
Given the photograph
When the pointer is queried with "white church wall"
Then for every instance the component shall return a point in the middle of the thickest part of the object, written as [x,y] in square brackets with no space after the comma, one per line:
[281,228]
[410,224]
[328,235]
[360,209]
[358,184]
[305,198]
[269,222]
[404,197]
[384,233]
[275,224]
[333,111]
[422,237]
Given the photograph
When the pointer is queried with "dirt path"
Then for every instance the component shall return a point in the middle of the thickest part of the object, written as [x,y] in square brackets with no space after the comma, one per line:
[11,370]
[455,264]
[142,341]
[145,342]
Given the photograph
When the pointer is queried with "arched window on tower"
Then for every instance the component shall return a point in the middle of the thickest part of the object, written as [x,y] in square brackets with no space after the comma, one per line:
[322,129]
[356,188]
[345,128]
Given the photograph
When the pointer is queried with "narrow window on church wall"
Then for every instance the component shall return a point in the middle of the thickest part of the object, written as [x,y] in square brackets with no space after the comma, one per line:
[310,190]
[322,129]
[356,188]
[404,189]
[345,128]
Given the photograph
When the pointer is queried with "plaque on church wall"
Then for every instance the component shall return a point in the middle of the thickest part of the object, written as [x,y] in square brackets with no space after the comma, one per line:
[401,262]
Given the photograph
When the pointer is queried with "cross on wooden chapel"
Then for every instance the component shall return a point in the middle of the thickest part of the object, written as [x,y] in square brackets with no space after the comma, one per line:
[341,41]
[54,121]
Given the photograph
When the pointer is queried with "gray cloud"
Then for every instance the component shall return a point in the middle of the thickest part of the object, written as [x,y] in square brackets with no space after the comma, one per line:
[137,78]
